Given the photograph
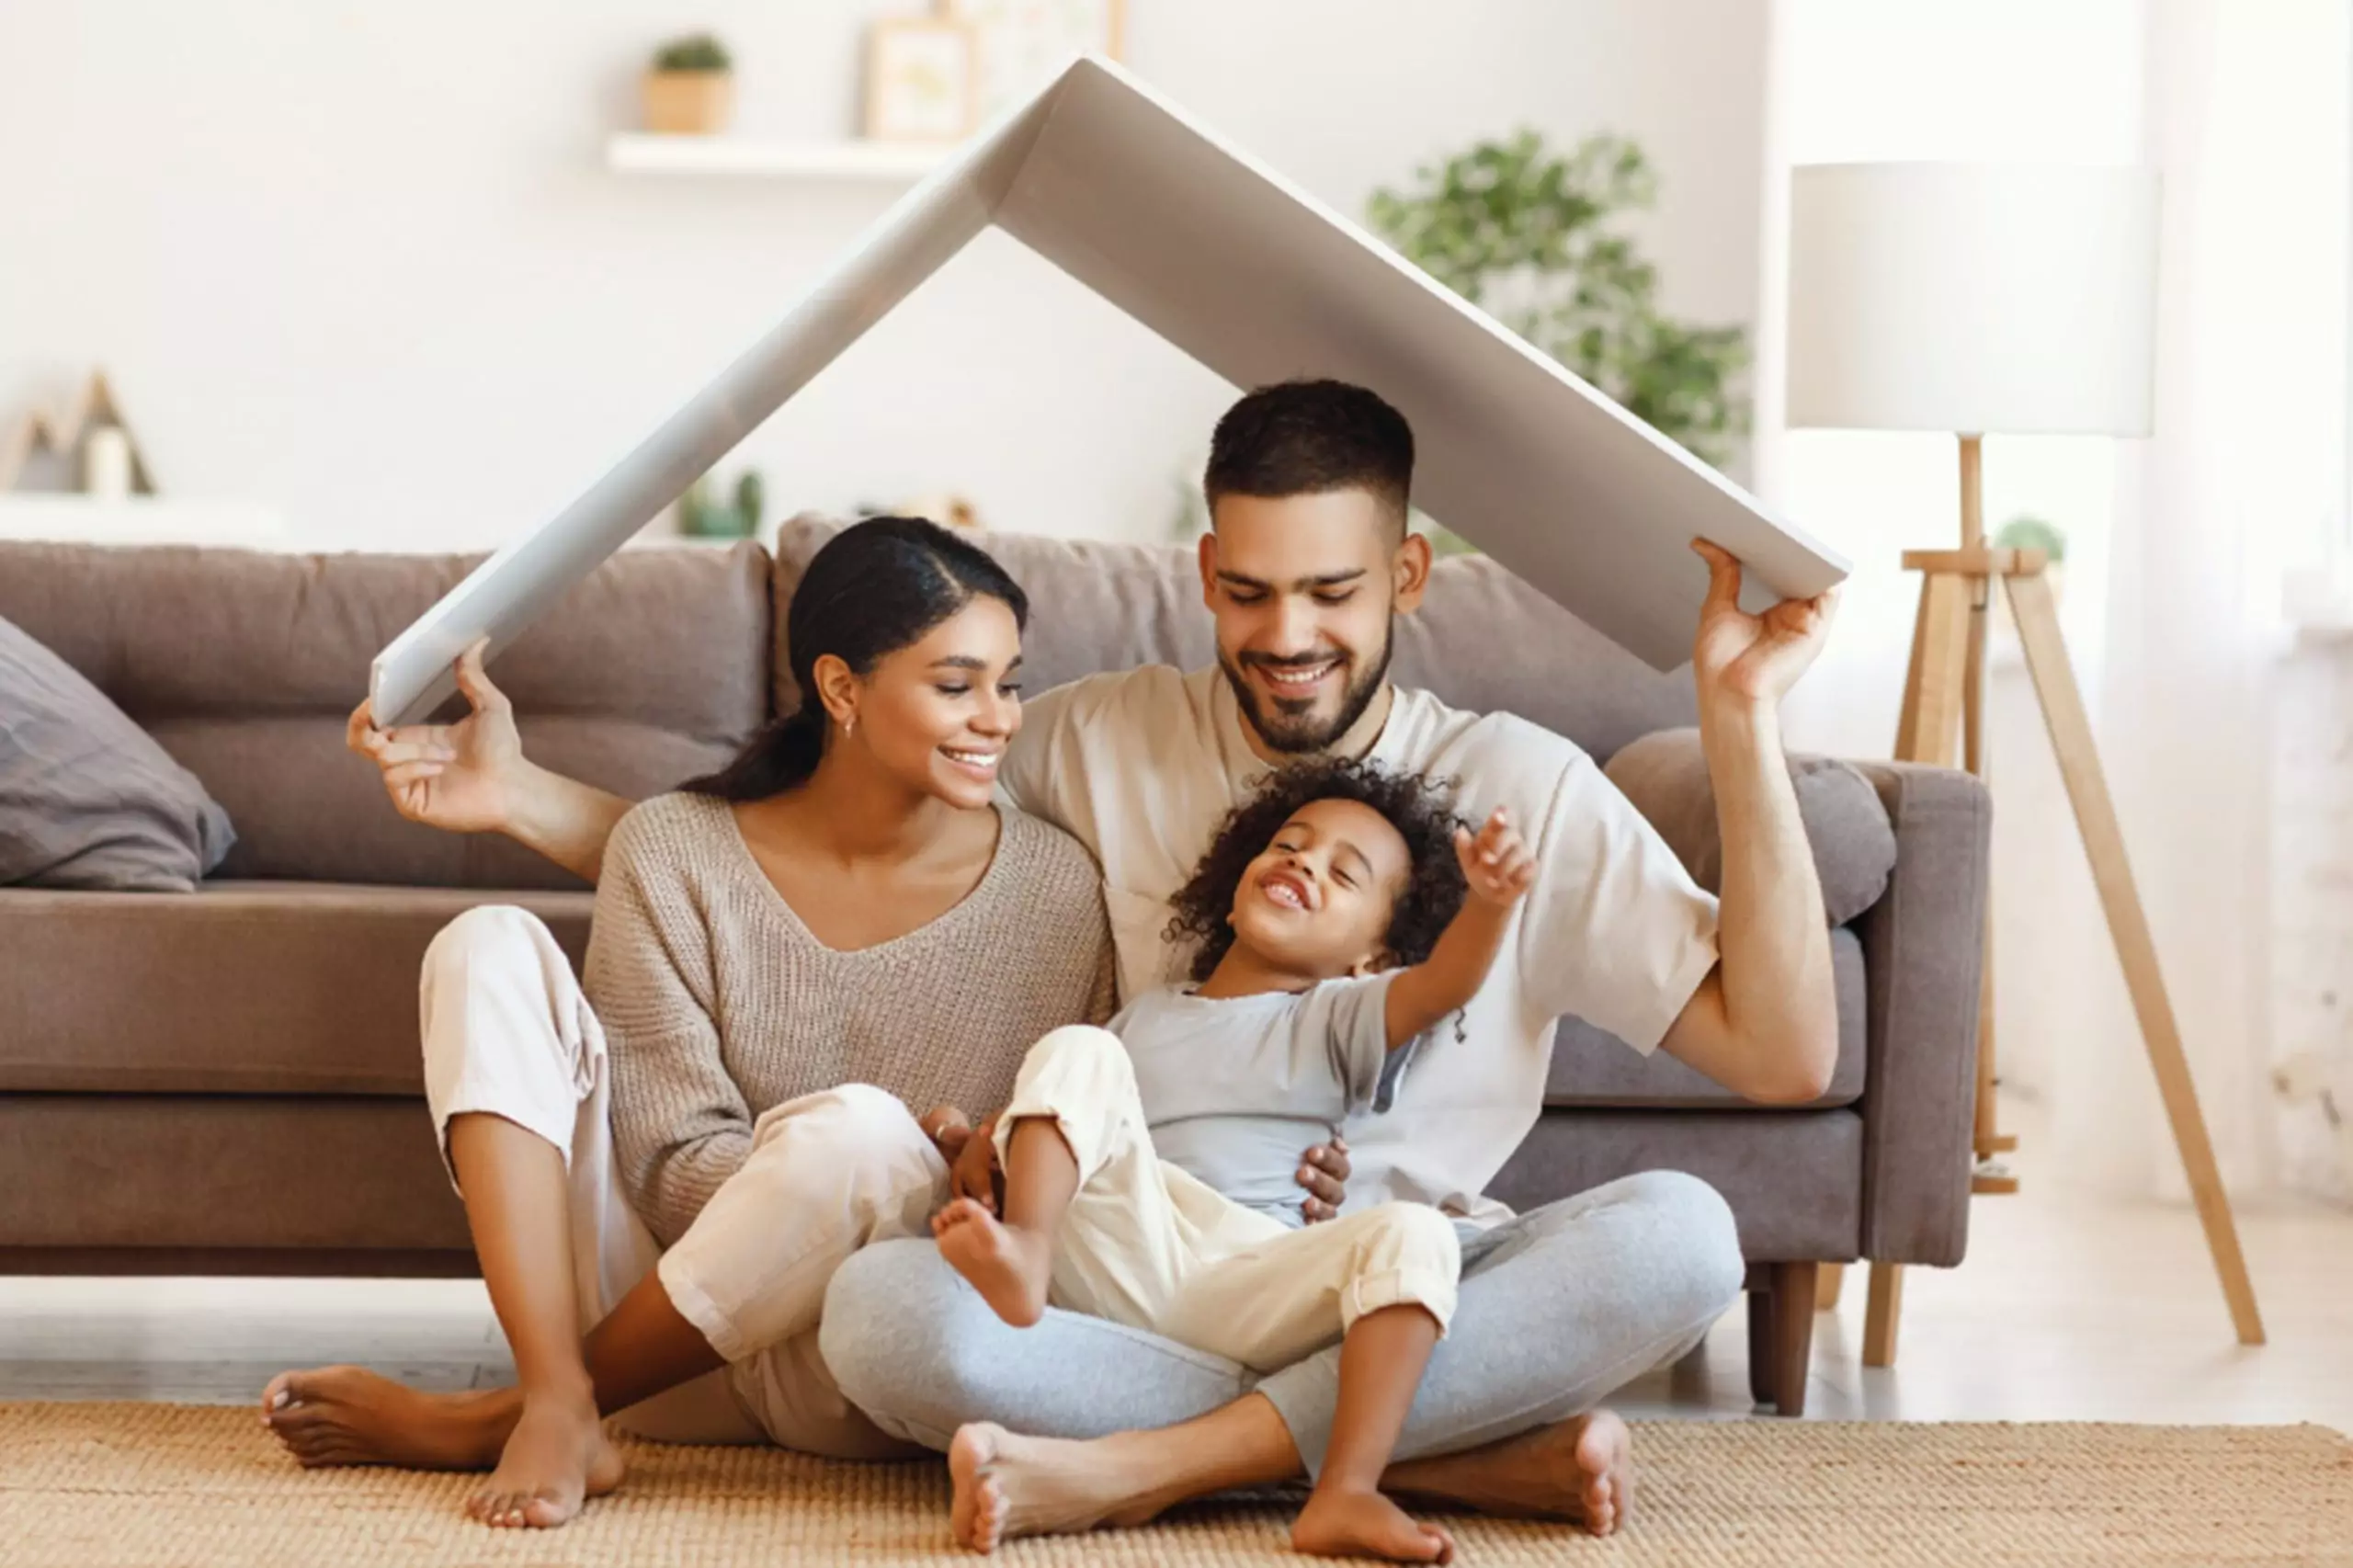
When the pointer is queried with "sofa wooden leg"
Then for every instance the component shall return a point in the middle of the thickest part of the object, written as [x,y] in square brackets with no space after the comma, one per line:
[1760,1344]
[1885,1311]
[1829,1278]
[1792,1348]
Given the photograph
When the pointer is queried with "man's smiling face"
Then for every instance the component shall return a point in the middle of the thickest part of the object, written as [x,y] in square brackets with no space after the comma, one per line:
[1304,589]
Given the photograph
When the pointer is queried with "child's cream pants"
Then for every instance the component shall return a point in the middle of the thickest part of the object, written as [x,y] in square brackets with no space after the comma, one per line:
[1145,1245]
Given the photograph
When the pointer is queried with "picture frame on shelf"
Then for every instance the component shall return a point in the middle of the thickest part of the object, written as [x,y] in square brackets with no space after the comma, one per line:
[1020,44]
[921,75]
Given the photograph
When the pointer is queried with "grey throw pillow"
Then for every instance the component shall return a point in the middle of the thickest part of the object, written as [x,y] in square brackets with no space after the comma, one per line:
[88,799]
[1666,775]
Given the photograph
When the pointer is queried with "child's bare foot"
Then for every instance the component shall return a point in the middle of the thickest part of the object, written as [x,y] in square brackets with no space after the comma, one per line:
[1365,1524]
[339,1416]
[1011,1268]
[557,1458]
[1580,1470]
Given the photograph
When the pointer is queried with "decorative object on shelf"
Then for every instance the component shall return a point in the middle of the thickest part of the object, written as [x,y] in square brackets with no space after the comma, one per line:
[1020,44]
[945,508]
[1537,240]
[691,89]
[701,517]
[1915,305]
[919,80]
[89,445]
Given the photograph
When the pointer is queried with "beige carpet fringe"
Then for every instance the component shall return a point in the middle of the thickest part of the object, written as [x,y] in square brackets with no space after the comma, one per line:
[176,1486]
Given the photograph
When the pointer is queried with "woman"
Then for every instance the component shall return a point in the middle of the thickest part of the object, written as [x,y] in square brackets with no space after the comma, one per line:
[784,957]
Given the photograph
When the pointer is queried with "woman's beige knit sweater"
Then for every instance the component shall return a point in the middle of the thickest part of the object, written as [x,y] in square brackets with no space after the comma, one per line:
[718,1002]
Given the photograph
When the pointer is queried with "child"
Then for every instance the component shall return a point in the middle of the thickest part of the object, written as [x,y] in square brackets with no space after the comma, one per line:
[1337,931]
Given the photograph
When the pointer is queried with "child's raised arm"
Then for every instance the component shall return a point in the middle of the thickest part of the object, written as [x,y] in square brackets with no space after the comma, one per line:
[1499,866]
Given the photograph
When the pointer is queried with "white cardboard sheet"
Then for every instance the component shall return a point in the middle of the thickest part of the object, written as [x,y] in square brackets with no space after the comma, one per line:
[1259,282]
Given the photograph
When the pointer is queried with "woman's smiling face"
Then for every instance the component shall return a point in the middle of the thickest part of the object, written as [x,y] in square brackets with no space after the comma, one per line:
[938,714]
[1317,901]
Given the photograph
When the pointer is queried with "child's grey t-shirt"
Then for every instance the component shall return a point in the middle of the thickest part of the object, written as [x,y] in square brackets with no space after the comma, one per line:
[1236,1090]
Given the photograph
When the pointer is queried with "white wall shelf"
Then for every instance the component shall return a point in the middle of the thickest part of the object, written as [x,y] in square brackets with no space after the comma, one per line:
[635,153]
[141,519]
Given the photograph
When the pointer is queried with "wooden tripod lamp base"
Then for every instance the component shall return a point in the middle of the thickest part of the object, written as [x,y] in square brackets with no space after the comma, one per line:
[1942,696]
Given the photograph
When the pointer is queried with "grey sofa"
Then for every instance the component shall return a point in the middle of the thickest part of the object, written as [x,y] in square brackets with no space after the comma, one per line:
[228,1080]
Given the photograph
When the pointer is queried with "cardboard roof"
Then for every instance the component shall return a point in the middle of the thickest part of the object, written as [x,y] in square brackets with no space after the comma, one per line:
[1258,281]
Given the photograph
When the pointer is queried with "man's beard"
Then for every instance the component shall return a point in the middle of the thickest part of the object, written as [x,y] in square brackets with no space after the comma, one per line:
[1292,728]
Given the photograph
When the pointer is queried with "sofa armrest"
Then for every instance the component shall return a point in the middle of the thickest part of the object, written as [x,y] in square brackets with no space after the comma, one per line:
[1923,951]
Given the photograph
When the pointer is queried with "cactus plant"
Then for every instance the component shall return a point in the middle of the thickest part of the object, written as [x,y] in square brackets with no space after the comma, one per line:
[703,515]
[750,496]
[699,52]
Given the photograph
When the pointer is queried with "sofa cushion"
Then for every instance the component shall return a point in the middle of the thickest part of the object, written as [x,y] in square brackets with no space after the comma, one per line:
[1794,1179]
[240,988]
[1591,1068]
[273,1176]
[1665,775]
[245,667]
[88,799]
[1483,640]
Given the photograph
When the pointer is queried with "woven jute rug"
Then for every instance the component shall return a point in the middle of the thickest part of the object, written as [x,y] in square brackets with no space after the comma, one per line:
[180,1486]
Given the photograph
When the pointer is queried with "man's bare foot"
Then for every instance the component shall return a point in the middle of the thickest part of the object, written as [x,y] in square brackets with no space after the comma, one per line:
[1365,1524]
[1581,1470]
[1007,1486]
[1011,1268]
[338,1415]
[556,1459]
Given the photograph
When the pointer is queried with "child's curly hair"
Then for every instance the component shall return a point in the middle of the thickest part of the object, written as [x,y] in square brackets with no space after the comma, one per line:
[1420,808]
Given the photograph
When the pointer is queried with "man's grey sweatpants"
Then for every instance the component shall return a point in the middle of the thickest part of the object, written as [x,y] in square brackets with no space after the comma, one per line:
[1558,1308]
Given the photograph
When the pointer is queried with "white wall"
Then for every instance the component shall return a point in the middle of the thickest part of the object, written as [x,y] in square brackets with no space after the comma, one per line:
[363,262]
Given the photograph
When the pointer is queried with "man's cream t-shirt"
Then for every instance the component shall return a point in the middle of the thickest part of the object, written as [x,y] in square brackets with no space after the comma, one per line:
[1142,765]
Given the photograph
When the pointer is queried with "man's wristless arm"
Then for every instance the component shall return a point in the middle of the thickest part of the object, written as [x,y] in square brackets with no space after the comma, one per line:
[1772,939]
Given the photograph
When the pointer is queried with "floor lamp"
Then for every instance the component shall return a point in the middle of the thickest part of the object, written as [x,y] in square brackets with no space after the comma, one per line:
[2014,299]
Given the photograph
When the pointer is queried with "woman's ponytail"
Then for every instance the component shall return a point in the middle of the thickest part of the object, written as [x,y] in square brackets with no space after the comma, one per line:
[780,758]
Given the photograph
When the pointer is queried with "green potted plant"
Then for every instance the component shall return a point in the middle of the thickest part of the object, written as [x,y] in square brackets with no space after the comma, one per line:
[1537,240]
[2024,532]
[690,91]
[700,515]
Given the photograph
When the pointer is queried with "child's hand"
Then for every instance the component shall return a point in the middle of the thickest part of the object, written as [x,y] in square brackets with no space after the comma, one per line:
[1497,863]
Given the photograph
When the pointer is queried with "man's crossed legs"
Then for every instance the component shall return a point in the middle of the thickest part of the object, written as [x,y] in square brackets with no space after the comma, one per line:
[1080,1421]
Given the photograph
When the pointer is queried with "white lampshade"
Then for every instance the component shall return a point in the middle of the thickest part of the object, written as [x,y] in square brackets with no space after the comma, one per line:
[1973,298]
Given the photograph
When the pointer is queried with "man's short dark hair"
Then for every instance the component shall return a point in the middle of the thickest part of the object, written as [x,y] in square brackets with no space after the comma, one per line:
[1310,438]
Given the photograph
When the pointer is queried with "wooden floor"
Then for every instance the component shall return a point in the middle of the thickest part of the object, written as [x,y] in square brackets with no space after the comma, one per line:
[2068,1309]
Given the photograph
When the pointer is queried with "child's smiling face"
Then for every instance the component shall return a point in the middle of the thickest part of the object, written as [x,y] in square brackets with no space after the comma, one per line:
[1318,900]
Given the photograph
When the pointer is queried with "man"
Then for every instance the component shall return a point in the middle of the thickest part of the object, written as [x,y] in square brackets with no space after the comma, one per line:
[1308,562]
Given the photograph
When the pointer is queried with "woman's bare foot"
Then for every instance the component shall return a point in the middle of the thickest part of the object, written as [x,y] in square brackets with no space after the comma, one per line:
[338,1415]
[544,1465]
[1007,1486]
[1365,1524]
[1011,1268]
[556,1459]
[1581,1470]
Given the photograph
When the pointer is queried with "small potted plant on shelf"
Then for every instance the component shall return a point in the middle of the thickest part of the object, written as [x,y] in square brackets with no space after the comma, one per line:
[691,89]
